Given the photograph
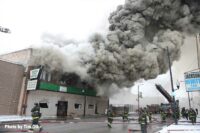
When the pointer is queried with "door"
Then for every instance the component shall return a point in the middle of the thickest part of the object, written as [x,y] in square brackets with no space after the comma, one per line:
[96,110]
[62,109]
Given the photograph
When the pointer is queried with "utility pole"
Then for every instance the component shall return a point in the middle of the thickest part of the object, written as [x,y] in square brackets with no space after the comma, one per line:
[171,78]
[84,108]
[189,99]
[198,60]
[197,46]
[138,100]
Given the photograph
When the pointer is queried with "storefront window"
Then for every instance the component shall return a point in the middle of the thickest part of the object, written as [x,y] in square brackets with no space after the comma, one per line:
[77,106]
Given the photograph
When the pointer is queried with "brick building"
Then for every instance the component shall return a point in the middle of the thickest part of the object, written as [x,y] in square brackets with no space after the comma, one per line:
[11,78]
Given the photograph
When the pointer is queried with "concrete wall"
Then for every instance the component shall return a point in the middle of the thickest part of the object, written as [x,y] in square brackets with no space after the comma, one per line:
[52,99]
[11,76]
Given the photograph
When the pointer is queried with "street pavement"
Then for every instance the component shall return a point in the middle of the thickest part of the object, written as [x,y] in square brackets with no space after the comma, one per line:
[88,125]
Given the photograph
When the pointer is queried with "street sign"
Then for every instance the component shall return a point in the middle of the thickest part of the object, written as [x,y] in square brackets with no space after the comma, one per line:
[192,81]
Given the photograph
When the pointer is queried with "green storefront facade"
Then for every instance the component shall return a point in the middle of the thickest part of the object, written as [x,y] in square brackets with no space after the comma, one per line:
[66,89]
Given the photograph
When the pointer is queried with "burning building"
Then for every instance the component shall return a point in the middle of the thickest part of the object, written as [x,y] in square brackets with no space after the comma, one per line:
[61,93]
[134,48]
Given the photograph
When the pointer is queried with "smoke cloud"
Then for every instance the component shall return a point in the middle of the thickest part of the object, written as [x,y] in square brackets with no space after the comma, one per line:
[139,33]
[134,48]
[63,58]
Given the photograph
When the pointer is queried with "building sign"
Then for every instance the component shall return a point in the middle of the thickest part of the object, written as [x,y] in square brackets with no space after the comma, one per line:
[192,81]
[34,73]
[32,85]
[63,89]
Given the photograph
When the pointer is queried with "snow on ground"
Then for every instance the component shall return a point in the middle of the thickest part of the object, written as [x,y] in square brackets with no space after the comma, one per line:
[7,118]
[184,126]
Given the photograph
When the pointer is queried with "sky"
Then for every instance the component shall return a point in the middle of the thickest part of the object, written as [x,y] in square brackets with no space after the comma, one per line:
[29,20]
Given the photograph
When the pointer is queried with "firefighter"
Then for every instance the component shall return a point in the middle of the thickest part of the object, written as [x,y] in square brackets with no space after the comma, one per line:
[192,116]
[143,122]
[177,113]
[183,112]
[150,117]
[110,119]
[145,112]
[196,111]
[186,114]
[163,116]
[125,116]
[35,117]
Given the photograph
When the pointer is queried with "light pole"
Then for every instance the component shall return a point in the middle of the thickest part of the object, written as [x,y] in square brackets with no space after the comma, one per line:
[138,99]
[189,99]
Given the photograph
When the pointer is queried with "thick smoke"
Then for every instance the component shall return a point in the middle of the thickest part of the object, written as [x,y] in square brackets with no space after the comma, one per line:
[70,58]
[140,31]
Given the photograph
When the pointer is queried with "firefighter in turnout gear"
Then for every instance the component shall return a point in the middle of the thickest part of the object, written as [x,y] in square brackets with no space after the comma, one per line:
[192,116]
[143,122]
[35,117]
[125,116]
[110,118]
[186,114]
[150,116]
[163,116]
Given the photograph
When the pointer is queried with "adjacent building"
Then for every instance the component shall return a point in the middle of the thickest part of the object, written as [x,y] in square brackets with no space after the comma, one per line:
[11,78]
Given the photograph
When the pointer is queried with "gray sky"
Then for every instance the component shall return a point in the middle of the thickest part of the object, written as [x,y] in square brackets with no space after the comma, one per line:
[73,19]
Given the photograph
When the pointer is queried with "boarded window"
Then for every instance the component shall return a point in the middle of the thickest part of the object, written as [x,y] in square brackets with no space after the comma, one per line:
[91,106]
[43,105]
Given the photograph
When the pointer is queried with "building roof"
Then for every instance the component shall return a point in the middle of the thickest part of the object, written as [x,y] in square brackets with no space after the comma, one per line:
[11,62]
[27,49]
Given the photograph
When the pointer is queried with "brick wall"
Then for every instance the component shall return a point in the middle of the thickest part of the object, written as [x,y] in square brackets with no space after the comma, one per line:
[11,76]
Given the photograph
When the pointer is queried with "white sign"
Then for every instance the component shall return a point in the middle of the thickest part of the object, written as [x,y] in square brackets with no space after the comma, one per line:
[34,73]
[63,89]
[32,84]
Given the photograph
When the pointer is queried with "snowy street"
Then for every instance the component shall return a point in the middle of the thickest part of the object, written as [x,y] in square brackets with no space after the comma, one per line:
[184,126]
